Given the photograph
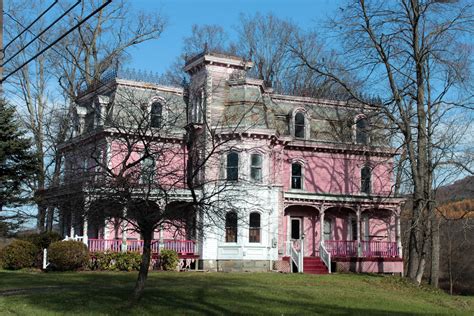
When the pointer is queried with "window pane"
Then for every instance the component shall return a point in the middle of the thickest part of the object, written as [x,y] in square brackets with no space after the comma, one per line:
[299,125]
[296,176]
[156,113]
[232,166]
[362,135]
[148,170]
[254,230]
[365,180]
[256,167]
[231,227]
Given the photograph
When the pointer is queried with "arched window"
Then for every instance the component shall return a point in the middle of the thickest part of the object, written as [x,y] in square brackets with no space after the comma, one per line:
[148,168]
[296,176]
[256,167]
[254,230]
[299,125]
[232,166]
[362,131]
[156,114]
[365,180]
[231,227]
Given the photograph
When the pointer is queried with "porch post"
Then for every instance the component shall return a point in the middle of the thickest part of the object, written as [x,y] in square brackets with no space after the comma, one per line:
[72,232]
[124,231]
[359,249]
[321,225]
[398,232]
[85,235]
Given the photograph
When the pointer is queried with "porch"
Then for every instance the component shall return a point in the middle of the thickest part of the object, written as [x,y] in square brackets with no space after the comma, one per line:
[184,248]
[346,234]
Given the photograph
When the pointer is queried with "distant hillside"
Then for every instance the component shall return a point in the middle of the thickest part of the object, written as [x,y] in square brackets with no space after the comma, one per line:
[459,190]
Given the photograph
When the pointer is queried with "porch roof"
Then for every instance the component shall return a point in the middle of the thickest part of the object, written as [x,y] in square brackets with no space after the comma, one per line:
[327,199]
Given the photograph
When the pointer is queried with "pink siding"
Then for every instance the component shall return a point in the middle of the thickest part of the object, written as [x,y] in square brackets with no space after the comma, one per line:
[337,173]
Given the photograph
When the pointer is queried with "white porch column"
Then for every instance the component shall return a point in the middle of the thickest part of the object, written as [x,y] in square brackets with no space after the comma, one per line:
[85,235]
[359,249]
[124,231]
[321,224]
[398,232]
[72,232]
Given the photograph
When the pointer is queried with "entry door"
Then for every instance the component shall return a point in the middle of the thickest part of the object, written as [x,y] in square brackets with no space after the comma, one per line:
[295,228]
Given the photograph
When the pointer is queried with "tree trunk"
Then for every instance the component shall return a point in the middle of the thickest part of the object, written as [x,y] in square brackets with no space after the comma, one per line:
[435,249]
[41,217]
[144,266]
[50,219]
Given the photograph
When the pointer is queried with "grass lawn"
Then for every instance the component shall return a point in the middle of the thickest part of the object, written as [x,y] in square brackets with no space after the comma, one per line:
[92,293]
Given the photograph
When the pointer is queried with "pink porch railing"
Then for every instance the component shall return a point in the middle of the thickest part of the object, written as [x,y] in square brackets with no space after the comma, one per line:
[341,248]
[382,249]
[115,245]
[349,248]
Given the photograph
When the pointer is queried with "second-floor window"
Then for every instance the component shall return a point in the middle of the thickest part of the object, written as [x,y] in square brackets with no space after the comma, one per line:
[232,168]
[299,125]
[365,180]
[156,114]
[147,170]
[296,176]
[256,167]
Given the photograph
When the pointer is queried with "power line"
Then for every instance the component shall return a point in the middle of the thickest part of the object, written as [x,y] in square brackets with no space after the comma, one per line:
[42,32]
[58,39]
[31,24]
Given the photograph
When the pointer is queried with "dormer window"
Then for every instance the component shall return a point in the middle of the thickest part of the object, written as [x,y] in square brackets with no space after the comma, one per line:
[156,114]
[362,131]
[299,125]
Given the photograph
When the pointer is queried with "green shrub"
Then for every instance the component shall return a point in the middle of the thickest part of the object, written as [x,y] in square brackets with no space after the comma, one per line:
[169,260]
[19,254]
[115,261]
[68,255]
[42,240]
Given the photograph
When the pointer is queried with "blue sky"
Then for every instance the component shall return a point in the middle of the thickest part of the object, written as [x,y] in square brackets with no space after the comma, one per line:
[157,55]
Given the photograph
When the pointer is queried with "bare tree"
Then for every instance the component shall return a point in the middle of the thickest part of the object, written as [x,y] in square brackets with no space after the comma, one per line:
[411,54]
[78,61]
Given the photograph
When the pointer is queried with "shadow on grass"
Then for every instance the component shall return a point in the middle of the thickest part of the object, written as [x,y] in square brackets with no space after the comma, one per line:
[184,293]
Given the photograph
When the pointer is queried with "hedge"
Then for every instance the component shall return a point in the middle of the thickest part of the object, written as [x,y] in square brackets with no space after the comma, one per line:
[19,254]
[68,255]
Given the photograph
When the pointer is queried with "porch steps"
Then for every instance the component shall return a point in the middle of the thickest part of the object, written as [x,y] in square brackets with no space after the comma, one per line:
[314,265]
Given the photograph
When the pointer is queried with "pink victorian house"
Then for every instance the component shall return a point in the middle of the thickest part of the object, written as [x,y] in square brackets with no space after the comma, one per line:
[312,178]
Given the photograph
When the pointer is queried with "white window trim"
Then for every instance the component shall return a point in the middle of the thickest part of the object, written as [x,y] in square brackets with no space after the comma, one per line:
[307,123]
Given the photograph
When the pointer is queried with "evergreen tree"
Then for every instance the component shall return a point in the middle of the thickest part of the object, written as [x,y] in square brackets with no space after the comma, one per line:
[17,164]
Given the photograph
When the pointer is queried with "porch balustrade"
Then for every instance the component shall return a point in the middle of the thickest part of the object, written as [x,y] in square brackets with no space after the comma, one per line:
[115,245]
[369,249]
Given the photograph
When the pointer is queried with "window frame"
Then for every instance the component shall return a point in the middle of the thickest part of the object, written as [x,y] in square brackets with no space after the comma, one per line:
[301,125]
[255,231]
[147,177]
[361,132]
[253,167]
[301,176]
[231,231]
[153,115]
[366,184]
[236,167]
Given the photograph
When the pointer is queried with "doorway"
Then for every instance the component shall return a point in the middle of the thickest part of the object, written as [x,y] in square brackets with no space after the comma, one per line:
[295,228]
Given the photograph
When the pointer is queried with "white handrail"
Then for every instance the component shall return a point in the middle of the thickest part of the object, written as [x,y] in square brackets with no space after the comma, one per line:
[325,255]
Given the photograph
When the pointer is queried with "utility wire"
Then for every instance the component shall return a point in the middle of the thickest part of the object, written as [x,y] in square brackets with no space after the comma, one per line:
[58,39]
[43,31]
[31,24]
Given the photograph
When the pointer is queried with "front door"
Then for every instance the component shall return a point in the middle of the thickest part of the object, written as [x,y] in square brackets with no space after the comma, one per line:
[295,228]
